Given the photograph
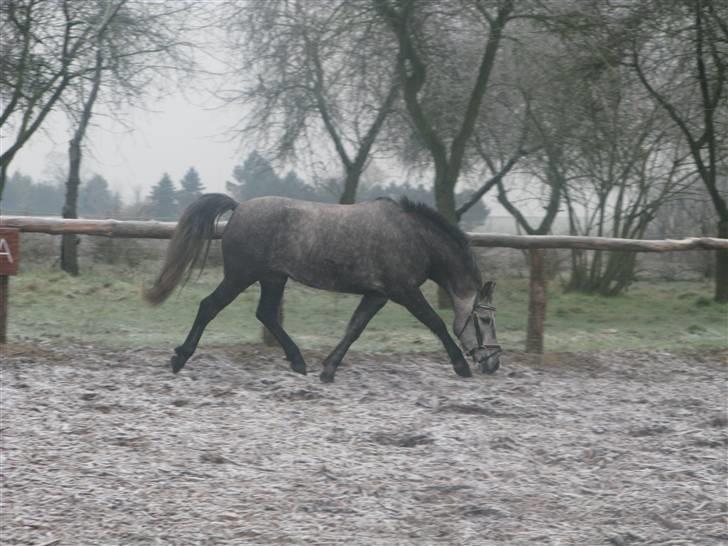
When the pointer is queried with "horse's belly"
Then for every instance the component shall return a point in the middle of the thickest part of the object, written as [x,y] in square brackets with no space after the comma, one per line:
[336,276]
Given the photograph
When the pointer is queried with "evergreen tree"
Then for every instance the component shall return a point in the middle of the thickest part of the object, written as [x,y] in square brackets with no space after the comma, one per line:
[295,187]
[17,197]
[47,198]
[191,188]
[24,196]
[163,199]
[96,199]
[254,178]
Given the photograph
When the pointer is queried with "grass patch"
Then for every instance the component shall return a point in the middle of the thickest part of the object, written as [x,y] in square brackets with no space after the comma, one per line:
[104,306]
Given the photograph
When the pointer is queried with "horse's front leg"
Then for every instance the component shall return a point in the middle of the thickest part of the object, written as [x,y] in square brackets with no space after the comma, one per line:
[417,304]
[367,308]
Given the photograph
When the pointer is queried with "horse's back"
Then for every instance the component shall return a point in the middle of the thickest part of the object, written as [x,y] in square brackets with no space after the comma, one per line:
[356,248]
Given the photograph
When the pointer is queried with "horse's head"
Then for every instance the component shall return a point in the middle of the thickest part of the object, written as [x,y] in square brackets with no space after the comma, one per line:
[477,331]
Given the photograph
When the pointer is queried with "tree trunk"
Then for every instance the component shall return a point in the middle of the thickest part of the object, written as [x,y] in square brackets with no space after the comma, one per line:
[721,266]
[445,203]
[69,243]
[579,266]
[536,301]
[351,184]
[4,293]
[619,273]
[354,169]
[3,179]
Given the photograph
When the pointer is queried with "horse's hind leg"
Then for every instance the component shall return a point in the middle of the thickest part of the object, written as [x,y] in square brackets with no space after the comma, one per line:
[210,306]
[416,303]
[271,294]
[367,308]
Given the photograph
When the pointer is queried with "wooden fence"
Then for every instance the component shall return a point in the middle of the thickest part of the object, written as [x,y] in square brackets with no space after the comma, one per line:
[536,244]
[163,230]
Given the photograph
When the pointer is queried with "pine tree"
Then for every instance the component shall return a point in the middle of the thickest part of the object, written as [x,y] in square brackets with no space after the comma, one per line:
[17,198]
[294,186]
[163,199]
[96,199]
[255,178]
[191,188]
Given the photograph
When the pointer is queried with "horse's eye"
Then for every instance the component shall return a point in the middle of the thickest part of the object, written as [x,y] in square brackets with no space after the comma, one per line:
[486,320]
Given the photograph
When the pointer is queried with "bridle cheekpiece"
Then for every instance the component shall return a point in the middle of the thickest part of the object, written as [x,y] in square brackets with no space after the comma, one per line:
[473,316]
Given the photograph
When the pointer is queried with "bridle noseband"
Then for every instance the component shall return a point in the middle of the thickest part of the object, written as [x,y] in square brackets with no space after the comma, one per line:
[473,315]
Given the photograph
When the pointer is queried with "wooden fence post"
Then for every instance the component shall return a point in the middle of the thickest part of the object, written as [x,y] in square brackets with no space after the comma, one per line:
[536,301]
[4,292]
[9,257]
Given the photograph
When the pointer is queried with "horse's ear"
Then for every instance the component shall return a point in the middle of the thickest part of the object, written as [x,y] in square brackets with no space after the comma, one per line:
[486,293]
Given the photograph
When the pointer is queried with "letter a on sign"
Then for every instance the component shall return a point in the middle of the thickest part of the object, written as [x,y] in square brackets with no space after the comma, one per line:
[9,251]
[5,251]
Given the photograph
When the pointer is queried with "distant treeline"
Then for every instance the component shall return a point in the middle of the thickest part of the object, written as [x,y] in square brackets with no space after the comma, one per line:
[23,195]
[255,177]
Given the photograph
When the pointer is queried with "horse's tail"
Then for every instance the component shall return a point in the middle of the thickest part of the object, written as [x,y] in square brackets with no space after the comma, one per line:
[190,243]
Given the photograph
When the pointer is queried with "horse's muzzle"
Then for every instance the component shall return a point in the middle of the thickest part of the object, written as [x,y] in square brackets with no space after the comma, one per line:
[487,359]
[489,364]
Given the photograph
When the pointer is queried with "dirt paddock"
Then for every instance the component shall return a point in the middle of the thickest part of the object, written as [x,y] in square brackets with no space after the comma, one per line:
[103,447]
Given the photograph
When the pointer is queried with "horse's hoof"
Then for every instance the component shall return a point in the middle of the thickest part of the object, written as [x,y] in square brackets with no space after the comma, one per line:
[326,377]
[464,371]
[299,366]
[177,363]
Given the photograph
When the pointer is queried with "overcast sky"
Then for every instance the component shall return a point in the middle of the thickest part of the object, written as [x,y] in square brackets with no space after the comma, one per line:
[171,136]
[175,133]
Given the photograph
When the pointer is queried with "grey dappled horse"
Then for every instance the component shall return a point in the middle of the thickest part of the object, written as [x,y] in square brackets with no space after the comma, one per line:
[383,250]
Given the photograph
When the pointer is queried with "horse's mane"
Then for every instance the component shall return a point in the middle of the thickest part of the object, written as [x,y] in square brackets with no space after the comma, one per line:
[436,219]
[433,218]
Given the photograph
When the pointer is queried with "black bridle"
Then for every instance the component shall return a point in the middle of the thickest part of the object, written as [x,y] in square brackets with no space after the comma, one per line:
[473,315]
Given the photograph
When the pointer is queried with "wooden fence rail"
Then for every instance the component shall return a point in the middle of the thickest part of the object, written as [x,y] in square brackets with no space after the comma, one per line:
[534,243]
[163,230]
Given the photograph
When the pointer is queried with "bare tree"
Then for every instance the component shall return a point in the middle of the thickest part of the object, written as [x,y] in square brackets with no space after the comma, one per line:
[627,166]
[69,255]
[311,73]
[542,88]
[544,179]
[422,30]
[624,160]
[679,51]
[44,46]
[142,42]
[315,72]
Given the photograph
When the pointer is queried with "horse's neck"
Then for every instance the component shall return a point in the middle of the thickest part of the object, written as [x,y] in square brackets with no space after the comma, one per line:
[463,300]
[455,277]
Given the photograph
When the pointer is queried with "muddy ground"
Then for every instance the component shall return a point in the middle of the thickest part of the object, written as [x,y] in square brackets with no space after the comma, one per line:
[105,447]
